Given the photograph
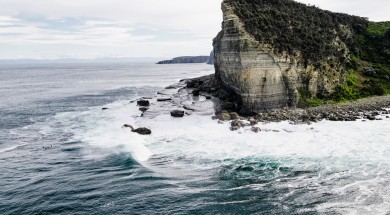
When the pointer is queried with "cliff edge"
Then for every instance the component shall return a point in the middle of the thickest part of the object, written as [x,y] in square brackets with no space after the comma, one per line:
[272,54]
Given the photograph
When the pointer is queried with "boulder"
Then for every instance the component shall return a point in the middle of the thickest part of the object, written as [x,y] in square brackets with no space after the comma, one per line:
[234,116]
[253,121]
[236,124]
[142,131]
[177,113]
[143,103]
[224,116]
[256,129]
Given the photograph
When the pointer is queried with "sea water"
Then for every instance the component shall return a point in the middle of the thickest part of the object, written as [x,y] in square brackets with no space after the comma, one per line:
[60,153]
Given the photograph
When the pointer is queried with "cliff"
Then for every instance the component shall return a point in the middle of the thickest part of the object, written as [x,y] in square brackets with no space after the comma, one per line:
[186,59]
[272,54]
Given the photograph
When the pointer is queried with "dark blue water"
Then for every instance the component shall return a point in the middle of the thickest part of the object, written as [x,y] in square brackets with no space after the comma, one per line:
[57,154]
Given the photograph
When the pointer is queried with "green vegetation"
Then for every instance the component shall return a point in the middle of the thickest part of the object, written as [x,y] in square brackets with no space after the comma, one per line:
[378,28]
[294,28]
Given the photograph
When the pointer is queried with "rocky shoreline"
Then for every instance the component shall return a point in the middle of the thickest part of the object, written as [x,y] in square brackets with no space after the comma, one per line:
[204,96]
[365,109]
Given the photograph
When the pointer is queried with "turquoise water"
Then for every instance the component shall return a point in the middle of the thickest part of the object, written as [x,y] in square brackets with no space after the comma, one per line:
[61,154]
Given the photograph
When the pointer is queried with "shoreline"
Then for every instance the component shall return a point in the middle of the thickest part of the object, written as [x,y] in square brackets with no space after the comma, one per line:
[203,96]
[366,108]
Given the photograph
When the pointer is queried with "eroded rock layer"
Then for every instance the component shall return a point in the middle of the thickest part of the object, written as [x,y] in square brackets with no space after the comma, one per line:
[265,78]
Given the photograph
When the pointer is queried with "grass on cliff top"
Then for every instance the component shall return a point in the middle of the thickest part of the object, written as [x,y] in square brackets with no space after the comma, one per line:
[378,28]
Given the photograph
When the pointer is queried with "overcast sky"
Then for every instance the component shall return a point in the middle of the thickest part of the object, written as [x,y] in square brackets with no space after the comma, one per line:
[53,29]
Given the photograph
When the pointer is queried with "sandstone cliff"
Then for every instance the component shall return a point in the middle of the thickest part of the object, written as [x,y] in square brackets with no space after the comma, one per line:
[273,53]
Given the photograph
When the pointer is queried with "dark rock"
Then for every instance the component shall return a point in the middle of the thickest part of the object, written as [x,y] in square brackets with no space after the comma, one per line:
[177,113]
[236,124]
[387,117]
[164,99]
[143,109]
[371,118]
[127,126]
[196,92]
[142,131]
[143,103]
[214,118]
[208,97]
[104,108]
[187,107]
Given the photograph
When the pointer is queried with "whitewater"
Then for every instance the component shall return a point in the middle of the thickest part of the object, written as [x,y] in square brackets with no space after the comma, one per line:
[61,154]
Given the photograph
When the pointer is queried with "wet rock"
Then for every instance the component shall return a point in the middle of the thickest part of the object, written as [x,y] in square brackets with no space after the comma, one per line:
[256,129]
[143,103]
[164,99]
[142,131]
[143,109]
[177,113]
[253,121]
[371,118]
[196,92]
[236,124]
[387,117]
[188,107]
[104,108]
[127,126]
[214,117]
[224,116]
[234,116]
[208,97]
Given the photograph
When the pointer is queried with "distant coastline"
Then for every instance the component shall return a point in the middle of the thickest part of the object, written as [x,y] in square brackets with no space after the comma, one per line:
[190,59]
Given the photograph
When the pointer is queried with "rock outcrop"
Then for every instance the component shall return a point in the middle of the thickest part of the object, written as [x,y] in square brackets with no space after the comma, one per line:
[268,70]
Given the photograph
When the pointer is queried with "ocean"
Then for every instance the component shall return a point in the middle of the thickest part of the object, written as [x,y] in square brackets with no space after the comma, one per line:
[60,153]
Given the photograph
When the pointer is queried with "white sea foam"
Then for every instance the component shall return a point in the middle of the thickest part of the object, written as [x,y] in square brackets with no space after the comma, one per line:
[350,157]
[336,150]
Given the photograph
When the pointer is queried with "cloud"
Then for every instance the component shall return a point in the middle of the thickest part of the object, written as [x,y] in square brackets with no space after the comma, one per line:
[156,28]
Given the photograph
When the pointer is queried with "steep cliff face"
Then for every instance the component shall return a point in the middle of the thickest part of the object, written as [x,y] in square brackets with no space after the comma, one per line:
[268,66]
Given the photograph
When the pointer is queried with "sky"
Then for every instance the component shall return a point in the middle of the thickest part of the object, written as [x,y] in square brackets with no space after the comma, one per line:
[88,29]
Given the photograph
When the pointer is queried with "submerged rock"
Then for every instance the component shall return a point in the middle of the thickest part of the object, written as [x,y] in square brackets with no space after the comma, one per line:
[177,113]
